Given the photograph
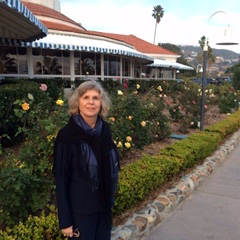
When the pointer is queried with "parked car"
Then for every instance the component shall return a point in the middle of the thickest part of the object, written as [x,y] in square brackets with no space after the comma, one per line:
[222,80]
[198,80]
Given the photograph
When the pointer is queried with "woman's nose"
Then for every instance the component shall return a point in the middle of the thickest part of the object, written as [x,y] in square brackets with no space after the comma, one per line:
[90,100]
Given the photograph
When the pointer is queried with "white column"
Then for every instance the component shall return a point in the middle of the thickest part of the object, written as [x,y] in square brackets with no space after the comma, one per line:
[30,62]
[102,66]
[72,69]
[131,68]
[156,73]
[174,74]
[121,65]
[140,70]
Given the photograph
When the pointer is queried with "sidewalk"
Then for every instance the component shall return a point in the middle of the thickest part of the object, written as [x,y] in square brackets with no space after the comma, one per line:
[212,212]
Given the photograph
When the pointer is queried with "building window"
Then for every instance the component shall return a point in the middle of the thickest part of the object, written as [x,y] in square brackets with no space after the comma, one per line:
[98,64]
[66,62]
[77,63]
[88,64]
[111,65]
[8,60]
[37,61]
[146,72]
[52,61]
[22,60]
[126,67]
[167,74]
[160,73]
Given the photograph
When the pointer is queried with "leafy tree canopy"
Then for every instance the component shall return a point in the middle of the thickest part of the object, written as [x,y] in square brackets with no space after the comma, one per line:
[171,47]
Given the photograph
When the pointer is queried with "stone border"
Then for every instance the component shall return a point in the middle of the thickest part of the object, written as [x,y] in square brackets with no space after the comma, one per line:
[155,212]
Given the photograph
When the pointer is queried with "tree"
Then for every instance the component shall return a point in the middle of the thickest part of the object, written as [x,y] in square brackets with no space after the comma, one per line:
[233,68]
[171,47]
[236,78]
[210,57]
[158,13]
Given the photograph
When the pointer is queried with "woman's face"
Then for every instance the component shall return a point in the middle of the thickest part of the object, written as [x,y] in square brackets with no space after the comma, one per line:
[89,104]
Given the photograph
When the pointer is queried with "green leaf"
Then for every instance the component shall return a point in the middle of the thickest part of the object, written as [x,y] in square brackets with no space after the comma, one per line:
[30,96]
[16,102]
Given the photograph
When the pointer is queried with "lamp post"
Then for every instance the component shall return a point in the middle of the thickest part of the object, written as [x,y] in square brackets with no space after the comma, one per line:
[200,70]
[227,42]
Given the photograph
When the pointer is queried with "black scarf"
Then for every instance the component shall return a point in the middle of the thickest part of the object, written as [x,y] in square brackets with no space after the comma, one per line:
[103,175]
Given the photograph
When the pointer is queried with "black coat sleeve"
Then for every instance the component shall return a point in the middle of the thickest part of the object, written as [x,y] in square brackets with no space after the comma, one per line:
[61,171]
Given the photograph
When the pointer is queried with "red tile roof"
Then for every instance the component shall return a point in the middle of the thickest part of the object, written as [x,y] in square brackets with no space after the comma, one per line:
[139,44]
[41,10]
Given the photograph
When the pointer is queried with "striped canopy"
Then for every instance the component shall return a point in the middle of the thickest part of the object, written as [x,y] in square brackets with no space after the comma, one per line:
[81,43]
[17,22]
[166,64]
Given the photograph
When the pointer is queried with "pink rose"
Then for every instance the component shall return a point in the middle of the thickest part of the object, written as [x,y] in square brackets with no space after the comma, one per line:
[125,85]
[205,106]
[43,87]
[193,102]
[179,108]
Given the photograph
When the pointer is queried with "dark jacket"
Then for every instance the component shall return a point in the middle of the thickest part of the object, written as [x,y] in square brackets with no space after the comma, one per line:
[73,185]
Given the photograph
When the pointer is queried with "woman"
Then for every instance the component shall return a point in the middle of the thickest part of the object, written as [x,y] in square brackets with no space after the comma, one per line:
[86,166]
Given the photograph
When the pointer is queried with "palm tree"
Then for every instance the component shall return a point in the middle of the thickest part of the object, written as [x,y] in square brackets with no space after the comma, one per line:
[157,14]
[210,56]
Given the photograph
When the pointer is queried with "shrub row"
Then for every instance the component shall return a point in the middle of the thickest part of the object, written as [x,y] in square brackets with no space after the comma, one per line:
[137,179]
[40,227]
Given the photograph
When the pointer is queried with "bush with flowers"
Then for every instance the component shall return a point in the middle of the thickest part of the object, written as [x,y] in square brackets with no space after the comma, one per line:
[17,102]
[136,119]
[228,99]
[139,118]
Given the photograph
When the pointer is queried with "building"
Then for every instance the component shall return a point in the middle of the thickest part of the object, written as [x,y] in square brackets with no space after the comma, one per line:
[38,41]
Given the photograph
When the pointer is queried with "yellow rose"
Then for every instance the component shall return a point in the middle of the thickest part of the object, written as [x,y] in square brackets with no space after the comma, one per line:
[137,86]
[135,92]
[128,138]
[25,106]
[112,119]
[59,102]
[127,145]
[151,105]
[129,117]
[120,93]
[143,123]
[119,145]
[159,88]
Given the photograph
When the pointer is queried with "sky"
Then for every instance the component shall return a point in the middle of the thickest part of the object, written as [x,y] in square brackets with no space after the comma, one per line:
[184,21]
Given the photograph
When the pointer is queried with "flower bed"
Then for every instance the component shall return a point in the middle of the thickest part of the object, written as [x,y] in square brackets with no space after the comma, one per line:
[138,179]
[136,118]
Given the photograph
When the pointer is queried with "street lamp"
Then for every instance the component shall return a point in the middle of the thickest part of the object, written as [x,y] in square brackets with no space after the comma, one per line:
[200,70]
[227,42]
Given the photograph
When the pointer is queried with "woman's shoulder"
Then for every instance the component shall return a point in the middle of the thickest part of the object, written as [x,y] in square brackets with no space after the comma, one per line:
[63,133]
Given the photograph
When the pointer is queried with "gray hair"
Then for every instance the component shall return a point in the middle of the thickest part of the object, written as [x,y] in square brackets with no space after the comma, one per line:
[73,107]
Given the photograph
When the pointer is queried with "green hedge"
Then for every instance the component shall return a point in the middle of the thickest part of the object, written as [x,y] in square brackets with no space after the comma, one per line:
[40,227]
[137,179]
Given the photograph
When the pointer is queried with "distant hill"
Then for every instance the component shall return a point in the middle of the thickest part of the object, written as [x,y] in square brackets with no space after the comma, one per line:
[226,54]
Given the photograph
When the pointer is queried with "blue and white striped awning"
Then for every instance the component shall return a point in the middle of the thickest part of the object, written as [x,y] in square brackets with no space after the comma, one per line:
[17,22]
[166,64]
[76,43]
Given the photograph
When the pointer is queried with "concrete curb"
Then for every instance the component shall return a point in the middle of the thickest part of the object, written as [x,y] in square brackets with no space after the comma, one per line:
[155,212]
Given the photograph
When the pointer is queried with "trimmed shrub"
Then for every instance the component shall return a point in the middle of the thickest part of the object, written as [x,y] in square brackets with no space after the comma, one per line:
[40,227]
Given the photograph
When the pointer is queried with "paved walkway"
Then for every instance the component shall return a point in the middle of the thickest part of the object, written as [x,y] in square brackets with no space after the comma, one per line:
[212,212]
